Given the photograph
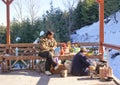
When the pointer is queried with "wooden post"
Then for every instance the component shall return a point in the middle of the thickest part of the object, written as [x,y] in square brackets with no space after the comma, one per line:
[101,29]
[8,2]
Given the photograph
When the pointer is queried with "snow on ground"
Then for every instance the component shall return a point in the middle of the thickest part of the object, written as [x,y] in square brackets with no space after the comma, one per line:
[91,33]
[115,64]
[112,36]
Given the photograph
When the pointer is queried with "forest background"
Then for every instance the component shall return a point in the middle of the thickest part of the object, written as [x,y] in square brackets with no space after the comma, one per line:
[63,23]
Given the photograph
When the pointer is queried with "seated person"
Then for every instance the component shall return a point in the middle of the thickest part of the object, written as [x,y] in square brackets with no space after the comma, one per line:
[80,64]
[47,46]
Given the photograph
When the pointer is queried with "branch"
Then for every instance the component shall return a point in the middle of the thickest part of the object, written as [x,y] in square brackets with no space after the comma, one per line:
[4,1]
[10,1]
[7,2]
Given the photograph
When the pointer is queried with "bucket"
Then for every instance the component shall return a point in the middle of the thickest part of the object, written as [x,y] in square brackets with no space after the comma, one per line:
[63,73]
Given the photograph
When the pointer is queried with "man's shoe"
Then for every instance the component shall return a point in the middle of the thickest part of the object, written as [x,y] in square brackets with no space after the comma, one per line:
[48,73]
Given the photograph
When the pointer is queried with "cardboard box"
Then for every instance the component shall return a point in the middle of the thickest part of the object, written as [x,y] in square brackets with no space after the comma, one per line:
[105,72]
[58,71]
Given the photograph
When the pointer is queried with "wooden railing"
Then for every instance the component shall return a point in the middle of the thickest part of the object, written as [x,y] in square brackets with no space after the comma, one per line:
[116,47]
[25,49]
[88,44]
[32,48]
[29,51]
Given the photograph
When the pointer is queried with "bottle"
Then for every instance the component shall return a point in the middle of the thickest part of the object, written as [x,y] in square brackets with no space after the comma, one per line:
[61,51]
[58,51]
[56,55]
[16,51]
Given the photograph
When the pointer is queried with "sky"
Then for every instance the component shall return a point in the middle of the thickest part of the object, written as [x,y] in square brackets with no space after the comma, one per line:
[42,4]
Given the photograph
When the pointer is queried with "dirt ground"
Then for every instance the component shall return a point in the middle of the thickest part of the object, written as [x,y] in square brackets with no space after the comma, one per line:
[34,78]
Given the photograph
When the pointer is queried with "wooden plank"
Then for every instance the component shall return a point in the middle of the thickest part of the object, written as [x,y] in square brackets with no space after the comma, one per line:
[22,57]
[62,57]
[24,62]
[2,45]
[116,47]
[14,63]
[70,56]
[24,45]
[88,44]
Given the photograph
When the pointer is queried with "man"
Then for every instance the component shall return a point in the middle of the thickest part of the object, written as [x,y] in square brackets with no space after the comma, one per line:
[80,64]
[47,46]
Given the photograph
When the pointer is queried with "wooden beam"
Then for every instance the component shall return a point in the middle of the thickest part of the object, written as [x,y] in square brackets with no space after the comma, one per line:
[4,1]
[11,1]
[8,2]
[101,28]
[116,47]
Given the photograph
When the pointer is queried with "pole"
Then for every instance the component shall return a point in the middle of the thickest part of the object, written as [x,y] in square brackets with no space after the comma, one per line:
[8,24]
[8,2]
[101,30]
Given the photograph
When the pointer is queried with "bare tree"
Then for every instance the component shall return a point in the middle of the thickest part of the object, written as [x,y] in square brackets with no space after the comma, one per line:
[69,4]
[18,5]
[29,8]
[33,9]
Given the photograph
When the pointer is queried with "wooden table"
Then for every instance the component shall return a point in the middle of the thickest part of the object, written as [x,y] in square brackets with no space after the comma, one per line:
[69,56]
